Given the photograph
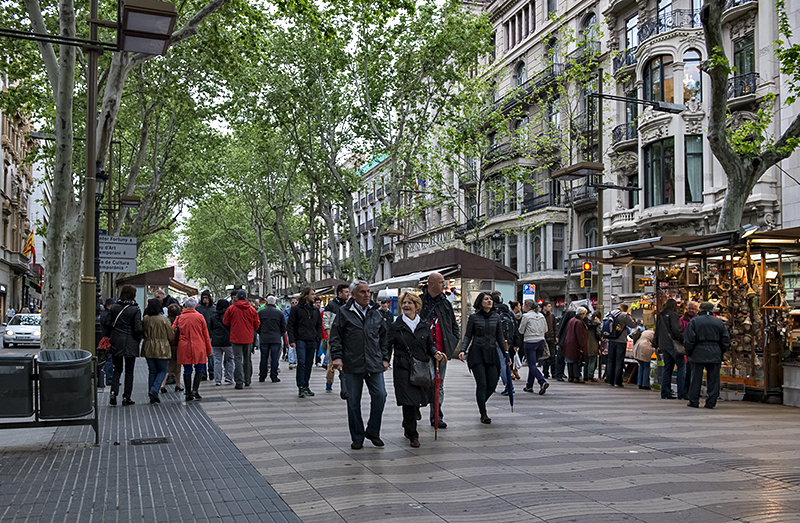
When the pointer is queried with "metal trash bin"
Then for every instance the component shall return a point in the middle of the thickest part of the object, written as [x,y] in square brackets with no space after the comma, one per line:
[16,386]
[65,383]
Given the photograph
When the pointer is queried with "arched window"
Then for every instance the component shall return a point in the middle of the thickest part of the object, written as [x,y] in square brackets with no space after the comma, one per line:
[519,72]
[589,28]
[692,81]
[659,84]
[590,233]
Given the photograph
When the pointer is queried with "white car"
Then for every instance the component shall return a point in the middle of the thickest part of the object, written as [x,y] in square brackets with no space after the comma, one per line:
[23,330]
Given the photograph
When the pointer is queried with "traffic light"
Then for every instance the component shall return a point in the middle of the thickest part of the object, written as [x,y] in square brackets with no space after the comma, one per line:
[586,275]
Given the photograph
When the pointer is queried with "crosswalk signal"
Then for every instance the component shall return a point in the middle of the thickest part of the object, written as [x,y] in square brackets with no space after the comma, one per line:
[586,275]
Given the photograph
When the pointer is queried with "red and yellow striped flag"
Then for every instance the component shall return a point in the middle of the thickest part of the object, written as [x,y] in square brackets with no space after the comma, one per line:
[29,249]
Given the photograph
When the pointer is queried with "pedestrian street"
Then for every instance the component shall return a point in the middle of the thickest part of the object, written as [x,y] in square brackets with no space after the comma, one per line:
[582,452]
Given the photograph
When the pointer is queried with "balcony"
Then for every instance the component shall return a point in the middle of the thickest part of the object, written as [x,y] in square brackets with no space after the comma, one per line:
[583,196]
[387,248]
[464,228]
[622,217]
[362,227]
[587,51]
[584,123]
[540,201]
[677,19]
[730,4]
[624,132]
[742,85]
[538,81]
[501,151]
[624,59]
[468,178]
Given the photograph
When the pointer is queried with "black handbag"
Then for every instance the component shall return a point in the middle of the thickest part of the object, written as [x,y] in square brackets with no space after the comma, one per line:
[420,373]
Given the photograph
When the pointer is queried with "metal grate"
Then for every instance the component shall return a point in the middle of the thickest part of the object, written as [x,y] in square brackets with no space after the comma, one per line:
[149,441]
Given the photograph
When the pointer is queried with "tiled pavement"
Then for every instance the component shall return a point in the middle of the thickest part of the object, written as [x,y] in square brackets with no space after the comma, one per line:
[583,453]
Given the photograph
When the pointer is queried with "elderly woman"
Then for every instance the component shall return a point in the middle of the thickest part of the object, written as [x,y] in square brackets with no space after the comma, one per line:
[479,348]
[194,347]
[576,345]
[410,339]
[158,335]
[124,322]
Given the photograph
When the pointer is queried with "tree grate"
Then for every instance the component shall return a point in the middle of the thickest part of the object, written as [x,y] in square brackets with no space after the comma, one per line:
[149,441]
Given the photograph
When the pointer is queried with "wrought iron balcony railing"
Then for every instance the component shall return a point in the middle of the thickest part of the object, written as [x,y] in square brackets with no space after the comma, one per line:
[625,58]
[625,131]
[677,18]
[742,85]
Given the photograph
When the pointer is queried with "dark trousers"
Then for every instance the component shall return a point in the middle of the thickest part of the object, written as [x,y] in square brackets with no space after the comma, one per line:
[712,383]
[242,363]
[270,354]
[410,413]
[306,350]
[532,352]
[486,377]
[560,363]
[129,361]
[354,384]
[615,362]
[574,370]
[548,364]
[672,362]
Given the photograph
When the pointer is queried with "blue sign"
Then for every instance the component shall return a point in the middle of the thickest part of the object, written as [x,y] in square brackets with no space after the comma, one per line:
[529,291]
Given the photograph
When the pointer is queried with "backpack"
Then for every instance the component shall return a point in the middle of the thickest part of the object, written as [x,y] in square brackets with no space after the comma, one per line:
[611,327]
[508,323]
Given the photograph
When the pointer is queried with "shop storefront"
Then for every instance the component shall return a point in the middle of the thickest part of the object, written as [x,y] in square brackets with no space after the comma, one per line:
[147,283]
[466,276]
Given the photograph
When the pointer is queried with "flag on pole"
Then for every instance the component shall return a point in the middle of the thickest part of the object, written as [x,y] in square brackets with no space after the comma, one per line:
[29,249]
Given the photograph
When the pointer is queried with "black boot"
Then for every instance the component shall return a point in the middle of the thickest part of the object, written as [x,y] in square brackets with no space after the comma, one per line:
[195,388]
[187,384]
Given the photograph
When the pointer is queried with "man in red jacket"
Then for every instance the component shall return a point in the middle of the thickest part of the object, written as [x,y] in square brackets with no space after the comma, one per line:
[243,321]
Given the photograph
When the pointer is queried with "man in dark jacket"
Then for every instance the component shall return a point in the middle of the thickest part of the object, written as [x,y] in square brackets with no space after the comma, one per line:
[385,312]
[507,325]
[706,339]
[617,346]
[548,364]
[359,347]
[272,330]
[222,351]
[667,337]
[328,316]
[305,332]
[208,309]
[438,313]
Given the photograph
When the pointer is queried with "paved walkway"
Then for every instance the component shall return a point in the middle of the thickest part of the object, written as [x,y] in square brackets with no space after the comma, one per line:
[582,453]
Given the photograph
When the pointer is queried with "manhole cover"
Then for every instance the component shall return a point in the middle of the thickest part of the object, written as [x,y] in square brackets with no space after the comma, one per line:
[149,441]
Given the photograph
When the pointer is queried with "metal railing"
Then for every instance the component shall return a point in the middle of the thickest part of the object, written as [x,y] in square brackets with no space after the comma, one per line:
[587,50]
[583,193]
[735,3]
[540,201]
[470,224]
[625,58]
[624,131]
[677,18]
[742,85]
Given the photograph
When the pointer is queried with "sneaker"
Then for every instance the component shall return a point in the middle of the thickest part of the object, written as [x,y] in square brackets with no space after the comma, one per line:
[329,387]
[543,388]
[309,393]
[239,386]
[301,393]
[504,393]
[527,389]
[218,383]
[291,366]
[228,380]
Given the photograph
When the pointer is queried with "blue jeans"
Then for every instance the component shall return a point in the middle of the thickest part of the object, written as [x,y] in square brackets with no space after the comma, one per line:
[644,373]
[532,352]
[503,377]
[670,362]
[442,372]
[199,368]
[270,354]
[354,384]
[306,350]
[292,355]
[157,368]
[615,362]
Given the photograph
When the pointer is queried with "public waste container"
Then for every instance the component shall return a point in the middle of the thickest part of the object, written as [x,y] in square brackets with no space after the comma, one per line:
[16,386]
[65,383]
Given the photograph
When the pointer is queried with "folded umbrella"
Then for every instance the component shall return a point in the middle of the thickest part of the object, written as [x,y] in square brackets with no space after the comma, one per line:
[510,384]
[437,383]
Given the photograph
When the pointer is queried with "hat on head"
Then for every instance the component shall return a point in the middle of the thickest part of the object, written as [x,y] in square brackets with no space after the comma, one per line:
[241,294]
[706,306]
[271,300]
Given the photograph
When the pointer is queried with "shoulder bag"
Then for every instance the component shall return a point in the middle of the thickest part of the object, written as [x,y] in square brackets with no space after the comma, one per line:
[420,374]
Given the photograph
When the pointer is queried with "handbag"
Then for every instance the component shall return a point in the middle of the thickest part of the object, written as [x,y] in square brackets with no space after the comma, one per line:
[420,372]
[545,352]
[680,350]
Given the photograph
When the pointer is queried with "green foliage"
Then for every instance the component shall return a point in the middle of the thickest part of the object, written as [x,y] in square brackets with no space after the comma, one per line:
[750,138]
[153,251]
[717,59]
[788,54]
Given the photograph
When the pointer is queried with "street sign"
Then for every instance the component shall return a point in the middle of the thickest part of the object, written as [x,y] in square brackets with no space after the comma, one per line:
[130,240]
[117,251]
[529,292]
[112,265]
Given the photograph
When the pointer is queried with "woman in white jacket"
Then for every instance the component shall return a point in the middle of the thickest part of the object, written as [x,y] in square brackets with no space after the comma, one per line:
[533,328]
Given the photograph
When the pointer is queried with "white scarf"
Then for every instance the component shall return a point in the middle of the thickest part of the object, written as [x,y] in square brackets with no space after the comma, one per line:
[412,324]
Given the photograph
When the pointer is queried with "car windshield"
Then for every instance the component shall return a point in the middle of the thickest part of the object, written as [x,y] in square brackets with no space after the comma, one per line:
[25,319]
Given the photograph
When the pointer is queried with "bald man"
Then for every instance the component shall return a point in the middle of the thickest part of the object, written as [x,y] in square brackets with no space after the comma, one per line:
[438,312]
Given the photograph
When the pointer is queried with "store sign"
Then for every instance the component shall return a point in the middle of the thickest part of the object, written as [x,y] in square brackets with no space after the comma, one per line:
[111,265]
[559,302]
[529,291]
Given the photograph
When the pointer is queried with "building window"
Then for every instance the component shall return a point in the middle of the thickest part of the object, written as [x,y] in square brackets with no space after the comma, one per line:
[551,52]
[665,13]
[551,7]
[496,199]
[658,80]
[558,246]
[537,254]
[589,30]
[633,196]
[519,72]
[632,32]
[692,82]
[659,173]
[512,251]
[744,55]
[694,169]
[493,52]
[512,196]
[590,233]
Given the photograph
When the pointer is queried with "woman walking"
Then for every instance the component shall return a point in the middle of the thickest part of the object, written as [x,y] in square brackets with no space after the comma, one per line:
[533,328]
[479,348]
[124,321]
[575,345]
[156,349]
[194,347]
[409,340]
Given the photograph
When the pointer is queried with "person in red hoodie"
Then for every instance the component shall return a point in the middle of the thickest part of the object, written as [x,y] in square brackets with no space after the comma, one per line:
[243,321]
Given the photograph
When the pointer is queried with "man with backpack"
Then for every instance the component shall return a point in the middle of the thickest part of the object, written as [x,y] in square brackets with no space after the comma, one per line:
[615,329]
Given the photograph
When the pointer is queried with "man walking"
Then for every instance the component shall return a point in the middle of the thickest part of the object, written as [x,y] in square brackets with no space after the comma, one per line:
[706,339]
[386,313]
[272,330]
[438,313]
[617,345]
[305,332]
[291,352]
[328,316]
[242,319]
[358,342]
[548,364]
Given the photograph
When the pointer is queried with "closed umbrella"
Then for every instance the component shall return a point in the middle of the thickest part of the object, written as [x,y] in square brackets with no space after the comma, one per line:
[509,382]
[437,383]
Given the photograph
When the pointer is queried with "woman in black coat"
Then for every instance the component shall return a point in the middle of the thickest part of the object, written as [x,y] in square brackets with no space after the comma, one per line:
[124,322]
[668,335]
[409,337]
[479,348]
